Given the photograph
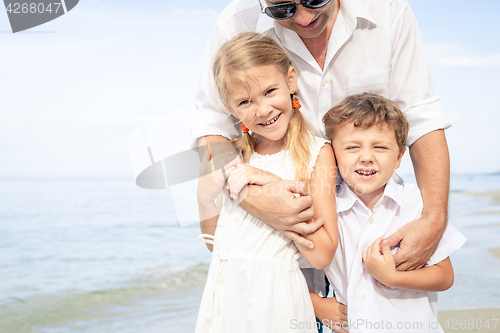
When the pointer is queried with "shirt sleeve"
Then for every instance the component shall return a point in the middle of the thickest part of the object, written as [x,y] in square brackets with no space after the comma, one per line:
[410,84]
[211,117]
[451,242]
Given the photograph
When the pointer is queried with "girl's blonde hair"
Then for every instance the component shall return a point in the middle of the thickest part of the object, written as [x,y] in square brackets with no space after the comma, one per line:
[243,52]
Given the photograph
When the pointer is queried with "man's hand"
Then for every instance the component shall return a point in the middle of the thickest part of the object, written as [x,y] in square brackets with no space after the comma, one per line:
[417,242]
[332,314]
[276,205]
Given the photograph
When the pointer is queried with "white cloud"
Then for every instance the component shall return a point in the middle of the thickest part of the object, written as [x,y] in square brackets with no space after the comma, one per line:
[455,56]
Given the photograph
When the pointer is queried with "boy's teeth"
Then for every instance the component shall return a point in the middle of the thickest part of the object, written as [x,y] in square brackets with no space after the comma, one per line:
[366,173]
[272,121]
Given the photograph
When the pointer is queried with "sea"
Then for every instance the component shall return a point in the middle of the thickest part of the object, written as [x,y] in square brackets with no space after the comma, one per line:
[103,255]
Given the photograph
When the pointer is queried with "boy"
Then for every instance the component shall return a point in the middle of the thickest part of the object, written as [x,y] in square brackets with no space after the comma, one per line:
[368,134]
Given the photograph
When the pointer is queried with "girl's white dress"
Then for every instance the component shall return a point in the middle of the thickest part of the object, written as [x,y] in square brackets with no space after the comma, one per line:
[254,282]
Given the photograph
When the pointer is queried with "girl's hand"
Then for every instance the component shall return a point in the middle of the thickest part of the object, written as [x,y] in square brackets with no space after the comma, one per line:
[212,182]
[379,263]
[237,182]
[332,314]
[244,175]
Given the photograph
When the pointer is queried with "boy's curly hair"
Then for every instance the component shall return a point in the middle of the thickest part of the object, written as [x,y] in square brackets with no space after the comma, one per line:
[366,110]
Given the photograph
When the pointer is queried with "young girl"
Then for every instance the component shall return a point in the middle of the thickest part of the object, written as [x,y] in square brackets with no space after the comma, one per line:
[254,282]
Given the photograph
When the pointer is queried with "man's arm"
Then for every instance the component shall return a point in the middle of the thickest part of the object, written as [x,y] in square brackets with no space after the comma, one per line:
[420,238]
[277,206]
[411,87]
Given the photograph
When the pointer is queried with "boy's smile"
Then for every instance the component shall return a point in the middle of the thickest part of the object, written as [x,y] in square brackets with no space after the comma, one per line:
[367,158]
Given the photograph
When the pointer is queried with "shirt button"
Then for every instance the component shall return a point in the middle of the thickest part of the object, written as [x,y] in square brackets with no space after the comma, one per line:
[218,312]
[236,219]
[257,163]
[365,297]
[370,220]
[226,251]
[323,83]
[221,282]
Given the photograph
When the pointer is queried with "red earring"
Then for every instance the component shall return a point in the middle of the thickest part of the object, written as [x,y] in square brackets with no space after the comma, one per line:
[244,129]
[295,100]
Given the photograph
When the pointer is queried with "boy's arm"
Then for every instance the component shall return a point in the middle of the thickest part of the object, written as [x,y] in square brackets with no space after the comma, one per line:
[329,311]
[379,263]
[322,189]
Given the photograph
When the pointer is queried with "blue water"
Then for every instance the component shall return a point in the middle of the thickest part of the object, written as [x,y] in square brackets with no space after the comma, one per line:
[102,255]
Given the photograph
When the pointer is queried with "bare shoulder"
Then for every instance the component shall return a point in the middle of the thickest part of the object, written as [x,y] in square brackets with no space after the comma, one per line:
[326,156]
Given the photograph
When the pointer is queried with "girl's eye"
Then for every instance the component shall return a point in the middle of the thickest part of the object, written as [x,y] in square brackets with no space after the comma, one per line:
[270,91]
[380,147]
[245,102]
[351,147]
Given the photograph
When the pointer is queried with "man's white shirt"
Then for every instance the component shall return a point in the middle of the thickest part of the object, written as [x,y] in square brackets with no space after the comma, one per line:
[375,46]
[358,228]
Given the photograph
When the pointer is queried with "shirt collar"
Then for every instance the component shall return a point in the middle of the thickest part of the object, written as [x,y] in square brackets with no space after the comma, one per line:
[352,10]
[346,198]
[264,23]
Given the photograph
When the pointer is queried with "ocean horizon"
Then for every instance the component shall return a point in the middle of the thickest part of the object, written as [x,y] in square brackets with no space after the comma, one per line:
[99,254]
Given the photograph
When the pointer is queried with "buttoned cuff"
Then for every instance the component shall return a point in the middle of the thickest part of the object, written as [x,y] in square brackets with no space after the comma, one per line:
[425,117]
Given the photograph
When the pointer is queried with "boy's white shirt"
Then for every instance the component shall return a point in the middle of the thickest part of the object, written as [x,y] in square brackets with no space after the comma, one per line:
[354,287]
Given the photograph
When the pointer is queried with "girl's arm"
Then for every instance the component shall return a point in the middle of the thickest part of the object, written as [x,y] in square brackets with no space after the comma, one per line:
[379,263]
[322,190]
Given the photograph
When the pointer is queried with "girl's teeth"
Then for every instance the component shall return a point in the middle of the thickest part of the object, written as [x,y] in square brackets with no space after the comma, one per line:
[272,121]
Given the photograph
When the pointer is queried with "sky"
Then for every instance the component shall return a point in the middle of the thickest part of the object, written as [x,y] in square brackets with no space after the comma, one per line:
[74,89]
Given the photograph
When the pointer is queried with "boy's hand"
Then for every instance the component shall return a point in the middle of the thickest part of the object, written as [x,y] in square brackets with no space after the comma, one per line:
[378,261]
[333,314]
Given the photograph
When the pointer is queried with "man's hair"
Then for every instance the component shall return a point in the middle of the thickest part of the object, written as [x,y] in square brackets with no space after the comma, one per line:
[367,110]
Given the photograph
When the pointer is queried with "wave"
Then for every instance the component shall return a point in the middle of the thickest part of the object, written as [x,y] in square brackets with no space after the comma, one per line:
[51,310]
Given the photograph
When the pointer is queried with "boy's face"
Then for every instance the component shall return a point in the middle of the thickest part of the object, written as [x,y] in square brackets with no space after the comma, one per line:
[367,158]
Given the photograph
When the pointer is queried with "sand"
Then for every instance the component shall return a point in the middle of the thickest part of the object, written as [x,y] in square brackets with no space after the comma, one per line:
[495,195]
[496,252]
[474,320]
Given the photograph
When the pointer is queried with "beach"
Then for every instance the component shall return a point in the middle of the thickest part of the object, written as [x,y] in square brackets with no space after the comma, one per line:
[470,320]
[102,255]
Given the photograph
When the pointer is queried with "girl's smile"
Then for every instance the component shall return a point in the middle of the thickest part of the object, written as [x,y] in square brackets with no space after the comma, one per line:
[272,123]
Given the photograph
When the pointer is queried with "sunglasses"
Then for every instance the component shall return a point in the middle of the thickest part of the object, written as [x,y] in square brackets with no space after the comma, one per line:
[285,10]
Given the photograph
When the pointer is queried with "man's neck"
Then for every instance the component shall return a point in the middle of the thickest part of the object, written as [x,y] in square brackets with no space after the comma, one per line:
[318,45]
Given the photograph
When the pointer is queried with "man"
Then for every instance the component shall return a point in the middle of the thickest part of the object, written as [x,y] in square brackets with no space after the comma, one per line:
[340,48]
